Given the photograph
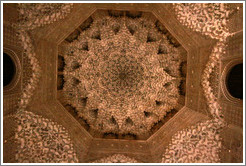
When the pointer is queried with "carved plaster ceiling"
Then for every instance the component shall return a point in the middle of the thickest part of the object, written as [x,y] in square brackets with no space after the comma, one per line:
[121,72]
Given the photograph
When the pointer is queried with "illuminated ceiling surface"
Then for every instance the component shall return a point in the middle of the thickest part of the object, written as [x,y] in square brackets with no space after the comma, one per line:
[121,72]
[121,79]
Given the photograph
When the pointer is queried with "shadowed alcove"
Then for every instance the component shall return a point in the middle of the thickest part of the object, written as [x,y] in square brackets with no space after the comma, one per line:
[9,69]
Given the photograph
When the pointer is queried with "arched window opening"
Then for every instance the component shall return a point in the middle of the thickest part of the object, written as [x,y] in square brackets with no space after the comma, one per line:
[235,81]
[9,69]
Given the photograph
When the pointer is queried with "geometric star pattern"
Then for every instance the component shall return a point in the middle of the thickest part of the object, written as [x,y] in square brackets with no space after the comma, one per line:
[121,74]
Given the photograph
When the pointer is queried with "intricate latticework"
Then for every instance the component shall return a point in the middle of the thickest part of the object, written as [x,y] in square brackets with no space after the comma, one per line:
[201,143]
[198,144]
[39,139]
[34,15]
[116,158]
[42,141]
[121,74]
[208,18]
[214,80]
[27,72]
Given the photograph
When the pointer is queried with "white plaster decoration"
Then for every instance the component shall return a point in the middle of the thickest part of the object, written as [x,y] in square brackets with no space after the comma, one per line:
[36,70]
[212,101]
[116,74]
[209,19]
[200,143]
[116,158]
[33,15]
[41,140]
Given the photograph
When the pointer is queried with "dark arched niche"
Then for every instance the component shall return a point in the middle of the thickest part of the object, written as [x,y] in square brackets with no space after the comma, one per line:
[235,81]
[9,69]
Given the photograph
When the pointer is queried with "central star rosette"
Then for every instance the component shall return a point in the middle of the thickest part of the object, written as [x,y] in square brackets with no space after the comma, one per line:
[122,75]
[121,86]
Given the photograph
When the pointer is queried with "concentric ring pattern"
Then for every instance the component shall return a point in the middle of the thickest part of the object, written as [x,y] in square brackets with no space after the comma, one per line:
[121,73]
